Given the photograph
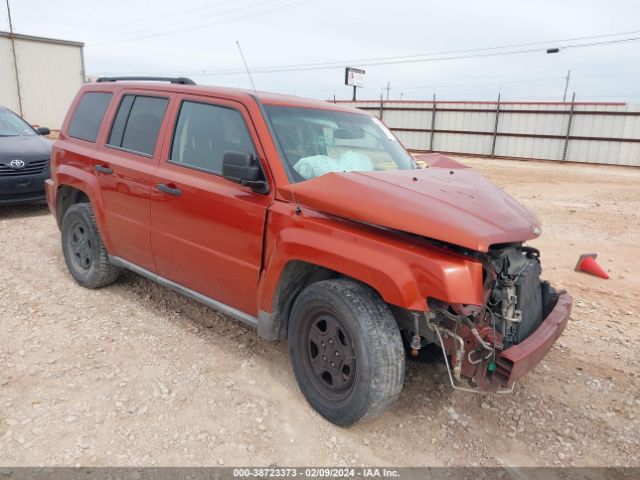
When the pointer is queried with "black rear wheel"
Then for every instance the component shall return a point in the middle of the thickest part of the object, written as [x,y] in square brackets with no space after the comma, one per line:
[345,350]
[86,256]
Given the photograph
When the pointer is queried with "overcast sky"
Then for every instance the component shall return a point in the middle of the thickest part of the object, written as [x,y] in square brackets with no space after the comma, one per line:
[194,36]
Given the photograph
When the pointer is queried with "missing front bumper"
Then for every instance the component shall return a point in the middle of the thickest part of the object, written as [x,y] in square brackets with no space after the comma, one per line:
[518,360]
[511,364]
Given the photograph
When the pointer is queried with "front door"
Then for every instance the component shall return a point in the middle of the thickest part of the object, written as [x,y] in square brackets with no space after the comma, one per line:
[207,232]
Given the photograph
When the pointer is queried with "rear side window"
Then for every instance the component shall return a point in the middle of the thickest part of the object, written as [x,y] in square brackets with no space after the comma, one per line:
[137,123]
[204,132]
[87,118]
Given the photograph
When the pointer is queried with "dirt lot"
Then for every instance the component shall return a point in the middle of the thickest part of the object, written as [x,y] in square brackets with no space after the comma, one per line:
[134,374]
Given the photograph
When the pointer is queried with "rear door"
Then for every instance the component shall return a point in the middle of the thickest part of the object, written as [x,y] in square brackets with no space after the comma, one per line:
[207,232]
[124,170]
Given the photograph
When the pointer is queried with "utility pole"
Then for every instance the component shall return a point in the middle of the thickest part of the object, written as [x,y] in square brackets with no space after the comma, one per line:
[569,123]
[495,128]
[566,86]
[433,123]
[387,89]
[15,58]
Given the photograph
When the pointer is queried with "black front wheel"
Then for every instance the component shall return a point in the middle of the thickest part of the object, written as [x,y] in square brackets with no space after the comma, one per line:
[86,256]
[345,350]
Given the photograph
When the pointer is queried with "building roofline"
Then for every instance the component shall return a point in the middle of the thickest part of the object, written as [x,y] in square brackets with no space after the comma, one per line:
[31,38]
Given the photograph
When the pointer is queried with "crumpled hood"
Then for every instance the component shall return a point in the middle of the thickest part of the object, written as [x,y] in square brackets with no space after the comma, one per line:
[447,202]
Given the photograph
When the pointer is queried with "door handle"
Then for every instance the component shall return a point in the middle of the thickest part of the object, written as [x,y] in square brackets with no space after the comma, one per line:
[176,192]
[103,169]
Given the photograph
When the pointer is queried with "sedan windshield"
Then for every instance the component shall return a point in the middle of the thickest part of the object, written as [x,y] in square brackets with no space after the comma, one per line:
[315,142]
[11,125]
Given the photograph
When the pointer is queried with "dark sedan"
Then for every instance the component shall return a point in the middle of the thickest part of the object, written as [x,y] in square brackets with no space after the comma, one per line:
[24,160]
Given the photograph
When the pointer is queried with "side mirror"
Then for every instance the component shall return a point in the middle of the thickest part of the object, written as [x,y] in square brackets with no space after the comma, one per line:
[43,131]
[243,168]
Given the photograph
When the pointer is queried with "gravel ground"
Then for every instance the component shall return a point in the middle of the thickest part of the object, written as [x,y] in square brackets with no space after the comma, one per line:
[135,374]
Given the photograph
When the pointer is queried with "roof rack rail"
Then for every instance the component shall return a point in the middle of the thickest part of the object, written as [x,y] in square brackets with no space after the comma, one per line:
[178,80]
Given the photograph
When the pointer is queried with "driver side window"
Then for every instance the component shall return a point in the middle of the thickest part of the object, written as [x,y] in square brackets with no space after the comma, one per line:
[204,132]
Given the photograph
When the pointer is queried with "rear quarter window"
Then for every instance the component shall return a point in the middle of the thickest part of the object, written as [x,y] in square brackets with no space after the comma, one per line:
[137,123]
[88,115]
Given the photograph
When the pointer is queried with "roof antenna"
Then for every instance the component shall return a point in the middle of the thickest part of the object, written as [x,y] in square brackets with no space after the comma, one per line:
[246,66]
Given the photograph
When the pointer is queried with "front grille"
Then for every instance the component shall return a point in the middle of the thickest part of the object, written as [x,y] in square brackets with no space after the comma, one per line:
[34,167]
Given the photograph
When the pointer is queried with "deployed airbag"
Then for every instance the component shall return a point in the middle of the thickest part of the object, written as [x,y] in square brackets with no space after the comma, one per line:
[317,165]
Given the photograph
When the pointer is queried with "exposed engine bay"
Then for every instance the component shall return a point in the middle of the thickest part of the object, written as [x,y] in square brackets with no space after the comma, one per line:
[516,296]
[471,337]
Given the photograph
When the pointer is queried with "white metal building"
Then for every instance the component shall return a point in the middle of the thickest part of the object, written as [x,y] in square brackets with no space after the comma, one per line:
[39,77]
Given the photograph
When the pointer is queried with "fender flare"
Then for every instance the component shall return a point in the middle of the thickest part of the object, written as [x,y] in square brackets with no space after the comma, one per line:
[68,175]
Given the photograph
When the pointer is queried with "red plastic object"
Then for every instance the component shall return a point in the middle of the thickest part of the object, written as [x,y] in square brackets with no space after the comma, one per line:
[587,263]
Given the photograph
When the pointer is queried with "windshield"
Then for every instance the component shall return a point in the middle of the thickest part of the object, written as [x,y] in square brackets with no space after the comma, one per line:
[315,142]
[12,125]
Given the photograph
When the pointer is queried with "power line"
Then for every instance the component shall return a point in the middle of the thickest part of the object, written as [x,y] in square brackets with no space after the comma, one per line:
[415,57]
[152,19]
[182,22]
[500,81]
[197,27]
[434,57]
[481,82]
[374,61]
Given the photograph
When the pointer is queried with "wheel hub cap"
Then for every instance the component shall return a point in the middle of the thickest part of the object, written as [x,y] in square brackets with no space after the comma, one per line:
[81,246]
[330,355]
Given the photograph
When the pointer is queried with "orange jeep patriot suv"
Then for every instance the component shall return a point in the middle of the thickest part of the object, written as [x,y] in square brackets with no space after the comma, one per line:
[309,221]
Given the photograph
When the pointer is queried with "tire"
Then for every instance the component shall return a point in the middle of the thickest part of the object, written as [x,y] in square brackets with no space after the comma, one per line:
[346,351]
[86,256]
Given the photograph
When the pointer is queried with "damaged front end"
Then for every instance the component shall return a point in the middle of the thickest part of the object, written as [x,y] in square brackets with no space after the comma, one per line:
[495,344]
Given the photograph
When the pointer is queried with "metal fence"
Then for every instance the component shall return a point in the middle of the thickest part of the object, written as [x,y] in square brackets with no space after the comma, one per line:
[588,132]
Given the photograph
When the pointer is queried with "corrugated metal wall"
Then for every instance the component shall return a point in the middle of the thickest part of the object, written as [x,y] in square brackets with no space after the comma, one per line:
[50,75]
[581,132]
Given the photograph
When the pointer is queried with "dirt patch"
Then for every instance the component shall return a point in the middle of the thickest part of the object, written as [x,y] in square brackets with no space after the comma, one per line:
[134,374]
